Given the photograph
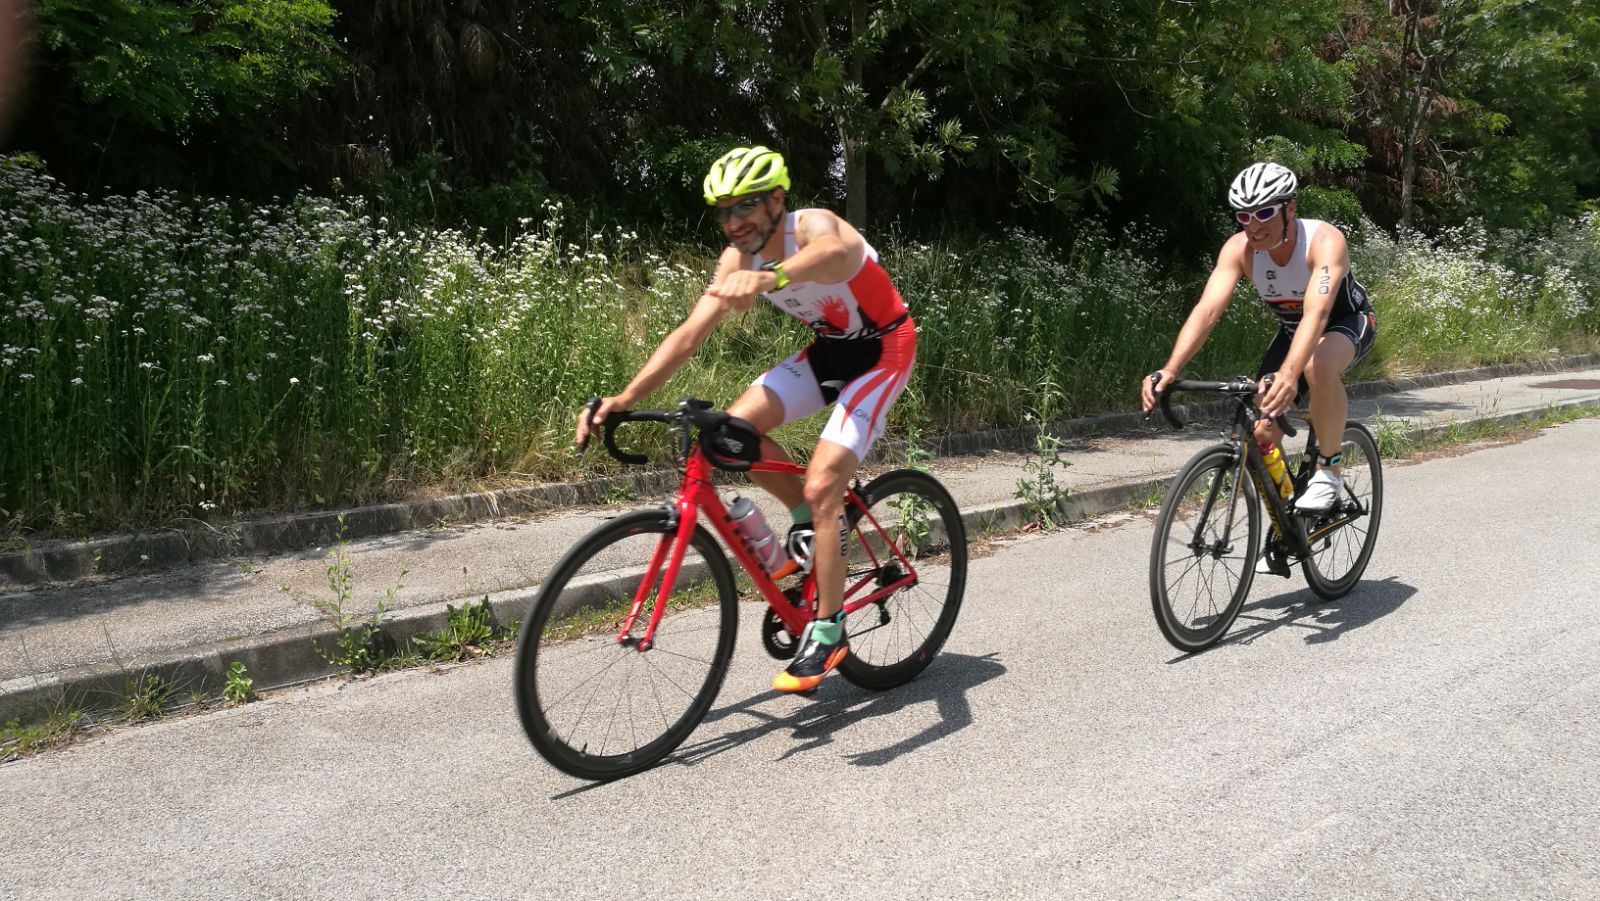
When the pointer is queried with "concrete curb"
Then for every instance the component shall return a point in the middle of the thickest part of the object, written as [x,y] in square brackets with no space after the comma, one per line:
[289,657]
[70,561]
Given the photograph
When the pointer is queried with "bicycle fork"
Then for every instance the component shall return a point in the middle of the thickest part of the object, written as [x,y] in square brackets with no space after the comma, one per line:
[1222,547]
[670,548]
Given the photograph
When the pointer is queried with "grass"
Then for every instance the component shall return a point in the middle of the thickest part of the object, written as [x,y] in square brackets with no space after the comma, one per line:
[1461,435]
[1392,435]
[145,697]
[174,358]
[60,726]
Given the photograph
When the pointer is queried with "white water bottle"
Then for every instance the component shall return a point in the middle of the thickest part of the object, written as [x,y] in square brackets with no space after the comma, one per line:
[758,539]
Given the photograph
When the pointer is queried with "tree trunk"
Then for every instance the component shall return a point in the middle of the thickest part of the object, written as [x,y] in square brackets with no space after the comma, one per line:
[1416,112]
[855,157]
[1408,147]
[1408,158]
[855,182]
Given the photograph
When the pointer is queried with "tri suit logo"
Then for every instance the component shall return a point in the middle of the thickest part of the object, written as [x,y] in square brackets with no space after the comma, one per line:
[836,314]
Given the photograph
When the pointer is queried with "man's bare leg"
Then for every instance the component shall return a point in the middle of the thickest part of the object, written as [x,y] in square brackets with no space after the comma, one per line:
[1330,405]
[762,409]
[823,643]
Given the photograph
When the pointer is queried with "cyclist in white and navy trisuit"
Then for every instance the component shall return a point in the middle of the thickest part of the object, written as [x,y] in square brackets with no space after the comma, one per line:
[1301,269]
[816,267]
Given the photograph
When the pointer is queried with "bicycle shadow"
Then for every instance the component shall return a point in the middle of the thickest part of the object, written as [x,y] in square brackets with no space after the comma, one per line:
[840,706]
[945,683]
[1326,620]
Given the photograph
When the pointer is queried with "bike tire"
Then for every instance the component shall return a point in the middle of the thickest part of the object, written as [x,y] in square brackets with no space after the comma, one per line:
[895,638]
[1349,547]
[1184,623]
[572,628]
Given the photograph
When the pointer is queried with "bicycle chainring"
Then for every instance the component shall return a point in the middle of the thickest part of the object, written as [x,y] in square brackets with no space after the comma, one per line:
[775,637]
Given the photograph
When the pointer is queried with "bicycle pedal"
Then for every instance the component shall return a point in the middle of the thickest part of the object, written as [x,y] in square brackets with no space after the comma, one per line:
[1276,566]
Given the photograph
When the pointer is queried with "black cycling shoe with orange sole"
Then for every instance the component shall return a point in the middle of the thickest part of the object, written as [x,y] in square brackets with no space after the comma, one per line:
[813,661]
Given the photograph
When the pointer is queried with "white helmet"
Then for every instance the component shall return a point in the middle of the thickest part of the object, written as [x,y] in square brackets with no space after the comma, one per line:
[1260,184]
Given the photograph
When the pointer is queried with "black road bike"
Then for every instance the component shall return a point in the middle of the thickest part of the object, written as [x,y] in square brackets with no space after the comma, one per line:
[1209,531]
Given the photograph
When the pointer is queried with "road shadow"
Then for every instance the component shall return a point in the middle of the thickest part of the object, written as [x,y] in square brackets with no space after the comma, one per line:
[1324,620]
[838,706]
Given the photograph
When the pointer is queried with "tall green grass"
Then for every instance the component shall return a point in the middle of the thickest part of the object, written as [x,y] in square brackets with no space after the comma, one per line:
[164,357]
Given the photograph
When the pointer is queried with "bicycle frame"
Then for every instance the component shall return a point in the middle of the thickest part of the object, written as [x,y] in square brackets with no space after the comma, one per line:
[1287,524]
[696,496]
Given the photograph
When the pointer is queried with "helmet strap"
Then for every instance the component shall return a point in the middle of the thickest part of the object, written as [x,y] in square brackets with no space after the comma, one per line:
[767,235]
[1285,217]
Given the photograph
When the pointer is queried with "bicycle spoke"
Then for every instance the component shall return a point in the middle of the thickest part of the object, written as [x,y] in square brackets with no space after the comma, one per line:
[1340,556]
[598,707]
[911,527]
[1205,537]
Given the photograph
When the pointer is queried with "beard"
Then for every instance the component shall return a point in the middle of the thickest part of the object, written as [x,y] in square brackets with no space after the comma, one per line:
[755,239]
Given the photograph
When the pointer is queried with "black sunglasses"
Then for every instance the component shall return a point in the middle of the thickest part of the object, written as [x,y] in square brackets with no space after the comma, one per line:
[742,209]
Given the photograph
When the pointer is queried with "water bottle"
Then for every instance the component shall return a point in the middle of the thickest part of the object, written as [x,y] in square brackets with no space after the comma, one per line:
[1277,469]
[758,539]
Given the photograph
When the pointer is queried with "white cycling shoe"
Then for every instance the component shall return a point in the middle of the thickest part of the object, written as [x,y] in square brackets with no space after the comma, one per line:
[1321,492]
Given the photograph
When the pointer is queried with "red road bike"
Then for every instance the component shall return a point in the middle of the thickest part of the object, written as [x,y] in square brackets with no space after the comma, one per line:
[631,634]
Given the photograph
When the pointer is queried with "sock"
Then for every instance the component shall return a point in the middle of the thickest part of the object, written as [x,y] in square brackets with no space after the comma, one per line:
[829,630]
[801,515]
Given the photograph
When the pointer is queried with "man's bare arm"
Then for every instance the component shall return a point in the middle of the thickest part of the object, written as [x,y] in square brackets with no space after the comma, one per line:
[829,249]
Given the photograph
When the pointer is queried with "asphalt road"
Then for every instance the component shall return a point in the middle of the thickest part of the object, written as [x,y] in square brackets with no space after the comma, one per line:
[1434,735]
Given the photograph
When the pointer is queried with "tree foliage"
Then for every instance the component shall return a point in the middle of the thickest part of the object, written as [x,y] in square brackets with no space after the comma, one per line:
[1530,133]
[115,77]
[978,111]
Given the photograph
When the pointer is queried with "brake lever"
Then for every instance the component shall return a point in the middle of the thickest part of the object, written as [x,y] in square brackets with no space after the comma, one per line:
[1155,379]
[593,406]
[1281,420]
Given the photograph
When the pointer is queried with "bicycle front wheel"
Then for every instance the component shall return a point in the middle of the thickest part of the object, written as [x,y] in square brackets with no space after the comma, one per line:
[594,703]
[1342,539]
[896,637]
[1202,558]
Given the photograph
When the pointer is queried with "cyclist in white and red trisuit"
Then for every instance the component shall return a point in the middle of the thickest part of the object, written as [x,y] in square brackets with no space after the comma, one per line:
[1326,324]
[816,267]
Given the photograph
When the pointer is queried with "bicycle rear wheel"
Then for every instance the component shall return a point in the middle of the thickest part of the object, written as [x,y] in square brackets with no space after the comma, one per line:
[896,637]
[597,707]
[1202,558]
[1342,538]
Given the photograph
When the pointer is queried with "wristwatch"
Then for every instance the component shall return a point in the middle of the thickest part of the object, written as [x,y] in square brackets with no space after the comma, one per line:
[776,268]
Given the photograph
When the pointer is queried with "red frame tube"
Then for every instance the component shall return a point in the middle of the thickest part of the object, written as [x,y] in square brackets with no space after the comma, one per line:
[695,496]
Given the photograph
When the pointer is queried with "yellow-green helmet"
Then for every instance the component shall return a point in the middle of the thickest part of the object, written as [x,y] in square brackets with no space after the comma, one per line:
[745,170]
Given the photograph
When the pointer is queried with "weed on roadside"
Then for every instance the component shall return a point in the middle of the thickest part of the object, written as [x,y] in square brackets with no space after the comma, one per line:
[1392,436]
[145,697]
[59,727]
[917,456]
[1150,499]
[1038,490]
[469,631]
[1554,416]
[359,642]
[240,688]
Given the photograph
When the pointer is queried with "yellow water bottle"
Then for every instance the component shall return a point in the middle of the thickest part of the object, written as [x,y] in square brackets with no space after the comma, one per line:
[1277,469]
